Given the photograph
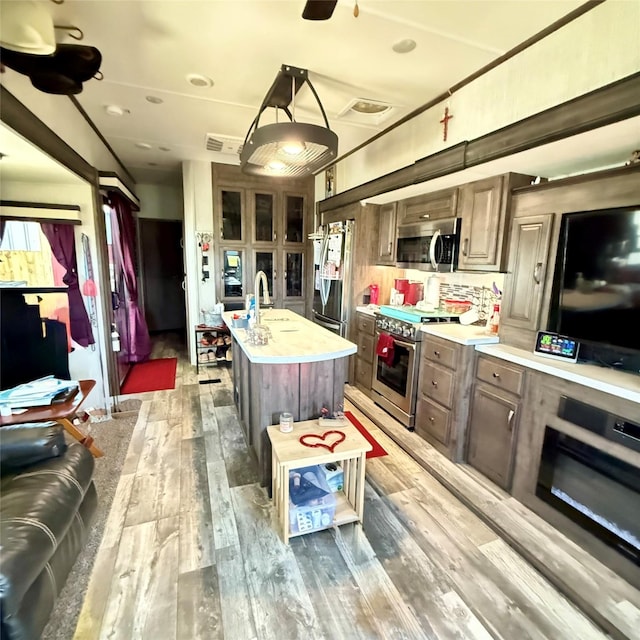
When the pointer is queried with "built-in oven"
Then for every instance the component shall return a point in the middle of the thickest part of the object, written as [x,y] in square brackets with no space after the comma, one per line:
[395,379]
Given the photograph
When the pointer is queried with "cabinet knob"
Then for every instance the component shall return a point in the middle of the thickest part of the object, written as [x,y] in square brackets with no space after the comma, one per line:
[436,354]
[432,419]
[434,383]
[465,245]
[495,375]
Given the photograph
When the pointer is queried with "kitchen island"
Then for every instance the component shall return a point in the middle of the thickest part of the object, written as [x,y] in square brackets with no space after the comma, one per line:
[302,369]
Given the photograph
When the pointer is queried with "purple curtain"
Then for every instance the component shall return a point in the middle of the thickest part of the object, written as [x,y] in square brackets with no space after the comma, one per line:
[62,241]
[139,343]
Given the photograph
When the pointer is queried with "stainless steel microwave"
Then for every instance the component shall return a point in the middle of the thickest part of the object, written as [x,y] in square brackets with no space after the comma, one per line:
[429,246]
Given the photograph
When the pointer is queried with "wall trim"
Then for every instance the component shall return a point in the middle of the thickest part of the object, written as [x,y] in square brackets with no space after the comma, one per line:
[109,180]
[606,105]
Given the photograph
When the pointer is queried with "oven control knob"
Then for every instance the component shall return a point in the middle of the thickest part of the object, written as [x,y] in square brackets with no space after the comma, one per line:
[407,331]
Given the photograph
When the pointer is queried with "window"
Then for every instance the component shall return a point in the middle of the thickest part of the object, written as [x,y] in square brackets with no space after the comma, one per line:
[21,236]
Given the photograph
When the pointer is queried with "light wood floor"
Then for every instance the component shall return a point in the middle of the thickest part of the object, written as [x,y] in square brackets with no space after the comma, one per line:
[191,549]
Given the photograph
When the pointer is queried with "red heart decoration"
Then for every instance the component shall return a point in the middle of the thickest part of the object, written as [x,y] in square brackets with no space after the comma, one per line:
[322,437]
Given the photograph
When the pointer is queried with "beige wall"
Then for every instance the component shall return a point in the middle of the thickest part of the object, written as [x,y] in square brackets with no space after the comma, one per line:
[161,202]
[198,217]
[592,51]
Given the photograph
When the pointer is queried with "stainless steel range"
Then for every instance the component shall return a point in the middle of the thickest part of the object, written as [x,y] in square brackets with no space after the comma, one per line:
[395,379]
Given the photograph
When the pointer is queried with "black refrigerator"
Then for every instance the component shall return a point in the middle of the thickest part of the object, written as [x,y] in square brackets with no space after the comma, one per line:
[332,254]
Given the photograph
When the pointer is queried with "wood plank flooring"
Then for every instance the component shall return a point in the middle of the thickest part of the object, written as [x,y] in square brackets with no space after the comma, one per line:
[191,548]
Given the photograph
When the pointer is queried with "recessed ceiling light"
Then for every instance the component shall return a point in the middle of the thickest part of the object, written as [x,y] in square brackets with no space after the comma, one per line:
[198,80]
[115,110]
[143,145]
[404,46]
[164,148]
[154,100]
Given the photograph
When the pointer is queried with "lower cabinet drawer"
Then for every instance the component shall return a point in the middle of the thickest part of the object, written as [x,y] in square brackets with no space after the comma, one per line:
[364,374]
[503,375]
[366,324]
[437,383]
[433,422]
[366,347]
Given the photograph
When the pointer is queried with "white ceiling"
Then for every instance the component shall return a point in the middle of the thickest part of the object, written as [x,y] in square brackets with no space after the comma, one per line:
[150,46]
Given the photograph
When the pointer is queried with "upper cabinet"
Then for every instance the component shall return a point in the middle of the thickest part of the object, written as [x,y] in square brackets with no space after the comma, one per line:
[484,207]
[524,283]
[429,206]
[294,205]
[261,224]
[231,205]
[263,216]
[387,228]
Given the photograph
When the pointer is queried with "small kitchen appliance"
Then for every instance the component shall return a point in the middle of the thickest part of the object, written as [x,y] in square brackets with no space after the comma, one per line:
[414,293]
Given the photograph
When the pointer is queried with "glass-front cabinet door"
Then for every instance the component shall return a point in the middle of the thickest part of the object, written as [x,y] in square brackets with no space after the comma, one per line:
[265,261]
[294,218]
[231,207]
[294,275]
[233,274]
[263,210]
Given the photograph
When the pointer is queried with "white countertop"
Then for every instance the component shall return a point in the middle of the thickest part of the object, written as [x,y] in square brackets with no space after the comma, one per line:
[294,340]
[369,309]
[469,334]
[617,383]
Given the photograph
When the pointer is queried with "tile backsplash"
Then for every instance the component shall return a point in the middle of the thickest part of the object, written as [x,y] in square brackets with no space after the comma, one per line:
[476,287]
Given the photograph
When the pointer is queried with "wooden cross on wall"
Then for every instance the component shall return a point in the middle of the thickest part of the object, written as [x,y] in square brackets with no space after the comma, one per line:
[445,123]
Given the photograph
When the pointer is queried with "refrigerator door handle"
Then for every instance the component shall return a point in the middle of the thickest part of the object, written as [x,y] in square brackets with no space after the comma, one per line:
[332,326]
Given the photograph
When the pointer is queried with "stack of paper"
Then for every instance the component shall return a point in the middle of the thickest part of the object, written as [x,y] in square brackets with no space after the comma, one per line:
[38,393]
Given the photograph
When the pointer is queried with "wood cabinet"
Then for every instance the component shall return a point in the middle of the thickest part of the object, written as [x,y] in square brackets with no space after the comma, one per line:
[387,234]
[524,283]
[365,338]
[484,207]
[261,224]
[429,206]
[446,375]
[493,418]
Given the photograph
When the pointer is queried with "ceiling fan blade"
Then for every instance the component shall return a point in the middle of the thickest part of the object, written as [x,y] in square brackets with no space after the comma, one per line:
[319,9]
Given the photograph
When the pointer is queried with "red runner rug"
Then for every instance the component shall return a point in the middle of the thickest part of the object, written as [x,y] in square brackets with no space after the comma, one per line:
[153,375]
[377,449]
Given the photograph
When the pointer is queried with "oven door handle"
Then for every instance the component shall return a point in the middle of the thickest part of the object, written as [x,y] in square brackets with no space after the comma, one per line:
[408,345]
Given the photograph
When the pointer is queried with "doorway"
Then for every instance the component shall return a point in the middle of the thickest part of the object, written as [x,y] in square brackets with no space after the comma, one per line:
[163,274]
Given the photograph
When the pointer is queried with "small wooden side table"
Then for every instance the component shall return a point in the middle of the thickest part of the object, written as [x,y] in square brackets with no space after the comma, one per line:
[288,453]
[62,413]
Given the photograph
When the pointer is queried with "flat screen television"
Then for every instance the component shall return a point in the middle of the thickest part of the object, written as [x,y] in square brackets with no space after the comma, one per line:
[596,292]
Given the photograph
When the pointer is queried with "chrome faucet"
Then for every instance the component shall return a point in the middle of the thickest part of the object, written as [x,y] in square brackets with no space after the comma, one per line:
[261,276]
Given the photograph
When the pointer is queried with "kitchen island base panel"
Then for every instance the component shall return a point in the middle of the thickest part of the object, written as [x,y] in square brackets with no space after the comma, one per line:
[267,390]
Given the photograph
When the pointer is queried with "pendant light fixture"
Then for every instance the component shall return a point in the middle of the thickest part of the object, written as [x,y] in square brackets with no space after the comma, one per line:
[287,149]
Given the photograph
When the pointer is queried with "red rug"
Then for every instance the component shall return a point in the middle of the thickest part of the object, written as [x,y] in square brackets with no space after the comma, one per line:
[153,375]
[377,449]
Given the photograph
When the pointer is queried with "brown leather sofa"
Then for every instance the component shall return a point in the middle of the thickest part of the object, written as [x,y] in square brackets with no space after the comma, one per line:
[47,501]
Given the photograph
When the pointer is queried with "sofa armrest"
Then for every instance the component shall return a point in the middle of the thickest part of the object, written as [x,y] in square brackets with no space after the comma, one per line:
[22,445]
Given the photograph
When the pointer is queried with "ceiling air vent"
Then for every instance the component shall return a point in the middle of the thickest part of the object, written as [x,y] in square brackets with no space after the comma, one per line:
[223,144]
[365,110]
